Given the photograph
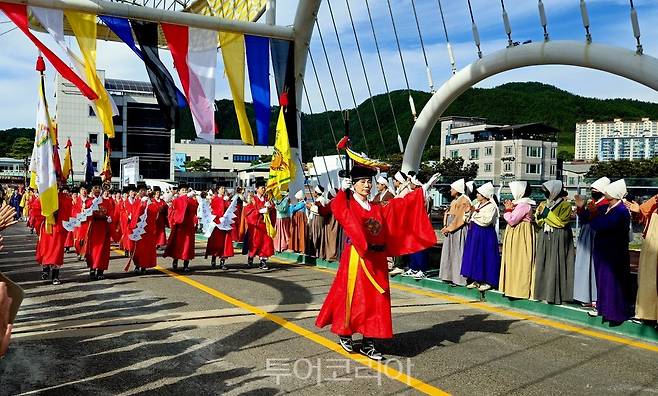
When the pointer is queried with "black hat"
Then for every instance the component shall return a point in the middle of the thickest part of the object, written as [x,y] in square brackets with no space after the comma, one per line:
[83,185]
[141,185]
[260,182]
[75,190]
[183,185]
[362,172]
[132,187]
[157,188]
[125,190]
[64,187]
[96,181]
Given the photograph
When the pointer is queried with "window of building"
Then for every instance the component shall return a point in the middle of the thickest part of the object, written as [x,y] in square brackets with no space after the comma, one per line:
[572,181]
[92,113]
[93,138]
[487,167]
[475,154]
[454,153]
[553,152]
[508,166]
[508,150]
[533,152]
[488,151]
[245,158]
[553,170]
[533,169]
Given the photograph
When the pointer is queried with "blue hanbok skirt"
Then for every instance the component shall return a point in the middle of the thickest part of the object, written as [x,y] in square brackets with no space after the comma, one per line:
[481,261]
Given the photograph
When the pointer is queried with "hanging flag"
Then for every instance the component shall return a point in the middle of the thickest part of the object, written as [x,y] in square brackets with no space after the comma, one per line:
[67,167]
[89,166]
[258,64]
[233,51]
[282,167]
[106,173]
[283,65]
[84,27]
[42,166]
[18,14]
[56,160]
[168,96]
[195,57]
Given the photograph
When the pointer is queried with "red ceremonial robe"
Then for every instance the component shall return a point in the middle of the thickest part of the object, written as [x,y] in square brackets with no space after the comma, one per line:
[80,233]
[359,300]
[97,251]
[129,220]
[220,243]
[161,223]
[235,232]
[51,245]
[35,217]
[145,249]
[260,244]
[182,221]
[117,231]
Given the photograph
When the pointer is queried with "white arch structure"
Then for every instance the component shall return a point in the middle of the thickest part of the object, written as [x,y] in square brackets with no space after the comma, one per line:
[620,61]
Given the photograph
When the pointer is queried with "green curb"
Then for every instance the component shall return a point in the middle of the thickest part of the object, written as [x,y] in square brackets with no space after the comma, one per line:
[566,312]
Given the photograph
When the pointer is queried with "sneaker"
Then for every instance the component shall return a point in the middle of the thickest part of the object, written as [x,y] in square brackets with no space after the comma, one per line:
[45,274]
[368,349]
[136,270]
[99,275]
[222,265]
[346,343]
[92,274]
[395,271]
[263,265]
[56,281]
[420,275]
[409,272]
[484,287]
[250,262]
[473,285]
[593,313]
[174,265]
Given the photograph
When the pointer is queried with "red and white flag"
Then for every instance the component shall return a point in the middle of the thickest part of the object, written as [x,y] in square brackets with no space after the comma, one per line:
[195,57]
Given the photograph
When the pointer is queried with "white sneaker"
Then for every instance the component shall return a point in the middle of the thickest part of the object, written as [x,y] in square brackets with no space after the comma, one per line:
[395,271]
[409,272]
[473,285]
[484,287]
[420,275]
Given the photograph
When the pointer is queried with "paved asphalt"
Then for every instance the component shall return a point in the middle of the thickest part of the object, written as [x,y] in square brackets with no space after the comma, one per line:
[156,334]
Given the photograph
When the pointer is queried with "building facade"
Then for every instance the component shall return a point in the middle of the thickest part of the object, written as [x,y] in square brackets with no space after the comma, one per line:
[590,135]
[139,129]
[618,147]
[503,153]
[12,170]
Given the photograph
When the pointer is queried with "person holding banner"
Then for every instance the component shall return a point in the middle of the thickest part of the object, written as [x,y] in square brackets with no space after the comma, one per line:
[260,242]
[183,222]
[50,248]
[220,243]
[144,235]
[81,232]
[99,233]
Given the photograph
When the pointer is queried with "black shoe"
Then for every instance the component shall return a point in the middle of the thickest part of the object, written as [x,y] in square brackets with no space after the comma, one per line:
[142,271]
[99,275]
[174,265]
[250,262]
[368,349]
[136,270]
[213,263]
[186,266]
[45,274]
[346,343]
[263,265]
[222,264]
[56,281]
[92,274]
[55,273]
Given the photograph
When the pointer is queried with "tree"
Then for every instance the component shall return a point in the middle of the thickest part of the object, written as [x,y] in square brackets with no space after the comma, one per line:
[453,169]
[22,148]
[200,165]
[646,168]
[565,155]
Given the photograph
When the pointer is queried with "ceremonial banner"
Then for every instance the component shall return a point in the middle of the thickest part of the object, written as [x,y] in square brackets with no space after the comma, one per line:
[42,166]
[195,57]
[67,167]
[258,64]
[106,173]
[233,51]
[18,14]
[282,167]
[89,166]
[283,64]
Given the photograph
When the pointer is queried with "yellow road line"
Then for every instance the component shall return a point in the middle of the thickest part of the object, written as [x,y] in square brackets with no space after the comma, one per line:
[502,311]
[318,339]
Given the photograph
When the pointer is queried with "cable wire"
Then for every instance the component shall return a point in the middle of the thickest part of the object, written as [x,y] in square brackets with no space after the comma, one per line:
[422,47]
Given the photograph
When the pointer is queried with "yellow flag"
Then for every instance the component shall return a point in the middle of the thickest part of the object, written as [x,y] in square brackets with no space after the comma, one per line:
[271,231]
[232,45]
[84,27]
[282,168]
[67,168]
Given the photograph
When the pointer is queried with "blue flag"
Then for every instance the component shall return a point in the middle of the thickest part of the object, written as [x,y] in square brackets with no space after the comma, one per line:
[258,64]
[89,169]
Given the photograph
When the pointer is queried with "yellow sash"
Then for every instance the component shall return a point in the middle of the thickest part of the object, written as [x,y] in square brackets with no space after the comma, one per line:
[355,263]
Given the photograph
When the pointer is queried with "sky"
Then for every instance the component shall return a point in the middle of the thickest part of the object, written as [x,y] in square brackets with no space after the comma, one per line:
[610,24]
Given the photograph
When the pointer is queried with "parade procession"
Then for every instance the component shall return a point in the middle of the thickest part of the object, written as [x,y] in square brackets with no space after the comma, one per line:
[266,197]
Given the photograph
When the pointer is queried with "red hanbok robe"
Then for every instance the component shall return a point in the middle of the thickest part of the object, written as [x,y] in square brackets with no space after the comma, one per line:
[35,218]
[161,223]
[68,243]
[129,214]
[145,250]
[260,244]
[182,221]
[97,251]
[80,233]
[117,231]
[51,245]
[236,232]
[220,243]
[359,300]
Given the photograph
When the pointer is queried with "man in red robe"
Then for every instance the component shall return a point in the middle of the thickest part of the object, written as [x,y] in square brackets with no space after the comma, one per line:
[97,252]
[239,191]
[80,233]
[50,251]
[161,223]
[117,234]
[260,243]
[220,242]
[130,207]
[359,300]
[145,255]
[68,244]
[182,222]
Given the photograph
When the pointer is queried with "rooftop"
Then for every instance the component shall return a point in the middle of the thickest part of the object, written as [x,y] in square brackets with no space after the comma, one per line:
[529,131]
[128,86]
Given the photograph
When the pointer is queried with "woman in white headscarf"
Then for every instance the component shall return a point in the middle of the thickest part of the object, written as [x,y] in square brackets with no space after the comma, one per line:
[454,232]
[584,281]
[555,256]
[481,263]
[517,270]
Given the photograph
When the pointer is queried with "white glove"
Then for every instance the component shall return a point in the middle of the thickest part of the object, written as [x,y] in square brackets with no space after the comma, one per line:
[268,204]
[262,210]
[221,219]
[109,220]
[226,198]
[431,181]
[190,194]
[345,184]
[144,199]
